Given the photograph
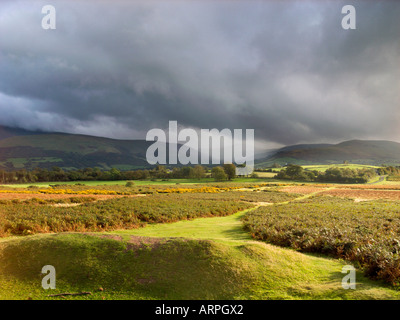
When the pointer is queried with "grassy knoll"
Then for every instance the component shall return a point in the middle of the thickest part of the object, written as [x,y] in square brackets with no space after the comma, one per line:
[171,269]
[282,273]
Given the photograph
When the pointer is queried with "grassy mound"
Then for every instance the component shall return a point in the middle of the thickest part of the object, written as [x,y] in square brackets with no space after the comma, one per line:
[171,268]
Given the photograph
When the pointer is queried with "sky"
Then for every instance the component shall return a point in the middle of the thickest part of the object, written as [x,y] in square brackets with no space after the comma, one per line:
[286,69]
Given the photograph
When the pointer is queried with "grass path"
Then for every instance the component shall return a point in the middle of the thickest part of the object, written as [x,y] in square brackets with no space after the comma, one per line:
[286,274]
[379,180]
[228,228]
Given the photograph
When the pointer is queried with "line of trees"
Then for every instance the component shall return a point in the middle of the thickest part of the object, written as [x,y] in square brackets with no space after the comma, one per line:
[225,172]
[389,170]
[335,174]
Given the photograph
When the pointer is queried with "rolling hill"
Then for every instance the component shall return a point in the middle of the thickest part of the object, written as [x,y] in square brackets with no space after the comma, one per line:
[24,149]
[371,152]
[28,149]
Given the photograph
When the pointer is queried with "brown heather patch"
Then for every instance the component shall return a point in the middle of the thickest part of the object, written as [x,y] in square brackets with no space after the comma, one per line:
[369,186]
[127,212]
[302,189]
[136,242]
[103,236]
[364,194]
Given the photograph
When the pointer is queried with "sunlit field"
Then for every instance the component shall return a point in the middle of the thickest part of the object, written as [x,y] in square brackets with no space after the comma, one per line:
[261,239]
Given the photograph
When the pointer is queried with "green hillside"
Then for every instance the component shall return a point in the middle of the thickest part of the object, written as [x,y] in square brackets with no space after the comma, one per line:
[354,151]
[20,149]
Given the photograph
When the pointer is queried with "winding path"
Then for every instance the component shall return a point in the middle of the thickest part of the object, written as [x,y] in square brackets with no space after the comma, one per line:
[381,178]
[228,228]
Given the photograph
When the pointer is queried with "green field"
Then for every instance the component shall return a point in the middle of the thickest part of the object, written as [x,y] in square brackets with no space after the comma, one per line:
[186,245]
[136,182]
[262,177]
[324,167]
[20,163]
[350,166]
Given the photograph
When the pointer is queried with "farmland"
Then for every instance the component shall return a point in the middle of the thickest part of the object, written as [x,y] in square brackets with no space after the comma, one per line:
[262,239]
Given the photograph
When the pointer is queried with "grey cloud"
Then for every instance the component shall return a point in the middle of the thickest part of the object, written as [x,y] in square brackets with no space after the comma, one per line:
[286,69]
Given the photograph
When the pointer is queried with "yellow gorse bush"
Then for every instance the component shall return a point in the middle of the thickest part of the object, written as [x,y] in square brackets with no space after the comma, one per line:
[67,191]
[139,189]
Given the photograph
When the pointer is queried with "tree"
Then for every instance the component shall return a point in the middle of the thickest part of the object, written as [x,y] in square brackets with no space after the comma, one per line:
[293,172]
[2,176]
[115,174]
[198,172]
[187,172]
[161,172]
[218,174]
[176,173]
[230,170]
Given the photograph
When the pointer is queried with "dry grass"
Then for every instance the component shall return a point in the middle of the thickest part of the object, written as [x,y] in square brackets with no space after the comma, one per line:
[369,186]
[364,194]
[302,189]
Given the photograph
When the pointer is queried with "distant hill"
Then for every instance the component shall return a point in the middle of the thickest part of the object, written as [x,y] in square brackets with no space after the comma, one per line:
[26,149]
[6,132]
[303,147]
[29,149]
[372,152]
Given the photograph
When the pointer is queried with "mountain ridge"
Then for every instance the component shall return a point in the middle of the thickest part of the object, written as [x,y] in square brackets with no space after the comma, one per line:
[24,149]
[372,152]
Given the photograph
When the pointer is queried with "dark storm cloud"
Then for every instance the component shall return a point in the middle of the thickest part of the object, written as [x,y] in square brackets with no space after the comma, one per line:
[287,70]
